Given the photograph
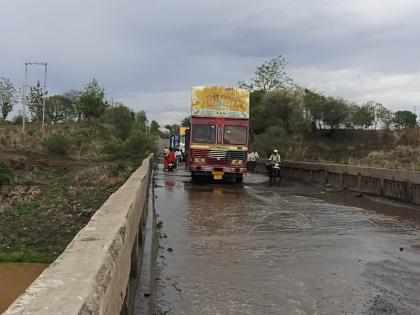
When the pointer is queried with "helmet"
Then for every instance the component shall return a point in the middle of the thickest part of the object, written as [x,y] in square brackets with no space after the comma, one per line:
[275,151]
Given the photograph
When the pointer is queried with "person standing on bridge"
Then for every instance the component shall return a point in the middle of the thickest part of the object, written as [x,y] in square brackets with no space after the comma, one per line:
[253,158]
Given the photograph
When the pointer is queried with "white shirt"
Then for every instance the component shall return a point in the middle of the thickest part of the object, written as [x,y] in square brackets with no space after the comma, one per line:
[275,158]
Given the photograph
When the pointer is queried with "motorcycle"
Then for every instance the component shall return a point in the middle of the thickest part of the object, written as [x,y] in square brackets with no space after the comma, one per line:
[273,170]
[171,166]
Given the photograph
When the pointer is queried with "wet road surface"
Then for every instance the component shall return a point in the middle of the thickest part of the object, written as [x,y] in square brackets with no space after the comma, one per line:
[283,248]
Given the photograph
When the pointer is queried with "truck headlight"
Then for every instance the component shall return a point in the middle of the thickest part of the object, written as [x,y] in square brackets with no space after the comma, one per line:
[196,160]
[203,161]
[240,162]
[234,162]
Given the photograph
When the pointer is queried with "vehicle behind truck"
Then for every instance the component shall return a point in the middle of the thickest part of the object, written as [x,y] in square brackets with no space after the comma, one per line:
[218,139]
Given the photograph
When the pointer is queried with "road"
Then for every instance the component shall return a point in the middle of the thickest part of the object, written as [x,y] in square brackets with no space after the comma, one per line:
[261,248]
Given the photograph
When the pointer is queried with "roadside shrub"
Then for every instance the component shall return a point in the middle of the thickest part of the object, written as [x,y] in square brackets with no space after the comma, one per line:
[136,147]
[57,144]
[5,174]
[17,120]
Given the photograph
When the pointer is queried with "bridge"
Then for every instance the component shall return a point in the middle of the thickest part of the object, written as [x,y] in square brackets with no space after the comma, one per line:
[163,245]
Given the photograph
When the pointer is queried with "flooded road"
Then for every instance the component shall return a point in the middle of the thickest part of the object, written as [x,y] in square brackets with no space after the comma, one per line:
[258,248]
[14,279]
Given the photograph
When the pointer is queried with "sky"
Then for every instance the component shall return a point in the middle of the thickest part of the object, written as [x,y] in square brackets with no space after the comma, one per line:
[148,54]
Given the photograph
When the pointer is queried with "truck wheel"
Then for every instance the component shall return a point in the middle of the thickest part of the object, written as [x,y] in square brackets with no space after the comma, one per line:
[239,179]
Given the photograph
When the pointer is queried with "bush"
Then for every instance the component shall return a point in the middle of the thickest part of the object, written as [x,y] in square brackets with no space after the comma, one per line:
[5,174]
[57,144]
[136,147]
[17,120]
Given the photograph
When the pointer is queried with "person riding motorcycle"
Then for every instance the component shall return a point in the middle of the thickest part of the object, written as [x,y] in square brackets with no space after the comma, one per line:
[170,160]
[273,167]
[275,157]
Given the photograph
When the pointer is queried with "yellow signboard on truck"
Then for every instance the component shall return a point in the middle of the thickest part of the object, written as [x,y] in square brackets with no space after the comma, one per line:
[224,102]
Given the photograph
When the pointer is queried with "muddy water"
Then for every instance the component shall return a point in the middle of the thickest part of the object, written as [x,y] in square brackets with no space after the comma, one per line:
[262,248]
[14,279]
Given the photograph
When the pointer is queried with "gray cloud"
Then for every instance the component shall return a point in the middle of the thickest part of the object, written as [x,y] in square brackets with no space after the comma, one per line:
[149,54]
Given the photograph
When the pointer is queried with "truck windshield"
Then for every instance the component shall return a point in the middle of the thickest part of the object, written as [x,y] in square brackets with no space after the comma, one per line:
[204,133]
[235,135]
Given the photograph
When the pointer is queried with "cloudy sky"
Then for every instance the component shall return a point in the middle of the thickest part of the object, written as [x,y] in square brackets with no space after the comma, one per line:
[148,54]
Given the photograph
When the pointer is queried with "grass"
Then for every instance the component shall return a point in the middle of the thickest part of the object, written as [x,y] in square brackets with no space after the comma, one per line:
[39,229]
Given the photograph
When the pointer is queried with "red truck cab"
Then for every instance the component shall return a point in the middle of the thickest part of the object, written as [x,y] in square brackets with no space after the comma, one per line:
[218,148]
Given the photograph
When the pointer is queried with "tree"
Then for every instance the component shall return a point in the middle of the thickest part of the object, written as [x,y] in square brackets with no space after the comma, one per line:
[8,97]
[172,128]
[285,105]
[186,122]
[313,103]
[335,112]
[363,116]
[141,120]
[73,95]
[91,103]
[36,102]
[121,118]
[271,75]
[257,115]
[405,119]
[384,115]
[59,109]
[154,127]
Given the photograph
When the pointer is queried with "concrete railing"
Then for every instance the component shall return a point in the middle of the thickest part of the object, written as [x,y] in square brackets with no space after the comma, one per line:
[96,272]
[394,184]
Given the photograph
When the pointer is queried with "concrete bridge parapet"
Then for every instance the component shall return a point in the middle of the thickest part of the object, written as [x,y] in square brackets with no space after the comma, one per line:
[92,275]
[388,183]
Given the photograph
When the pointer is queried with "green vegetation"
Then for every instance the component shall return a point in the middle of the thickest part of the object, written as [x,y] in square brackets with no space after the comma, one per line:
[52,207]
[5,174]
[57,143]
[306,125]
[8,97]
[52,182]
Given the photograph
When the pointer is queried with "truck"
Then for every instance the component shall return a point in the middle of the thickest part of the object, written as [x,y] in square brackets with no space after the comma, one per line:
[218,137]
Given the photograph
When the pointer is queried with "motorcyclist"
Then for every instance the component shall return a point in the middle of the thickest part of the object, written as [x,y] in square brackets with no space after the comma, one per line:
[273,167]
[169,159]
[275,157]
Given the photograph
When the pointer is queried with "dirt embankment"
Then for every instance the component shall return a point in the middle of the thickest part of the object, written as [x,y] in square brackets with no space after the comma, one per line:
[397,149]
[45,199]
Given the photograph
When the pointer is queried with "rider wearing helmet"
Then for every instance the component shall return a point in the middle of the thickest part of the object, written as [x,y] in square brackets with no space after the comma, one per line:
[275,157]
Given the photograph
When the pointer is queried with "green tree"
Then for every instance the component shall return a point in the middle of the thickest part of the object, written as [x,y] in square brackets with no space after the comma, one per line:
[314,103]
[363,116]
[271,75]
[121,118]
[36,102]
[186,122]
[59,109]
[335,112]
[73,96]
[141,120]
[172,128]
[285,105]
[257,116]
[91,103]
[154,127]
[384,115]
[405,119]
[8,97]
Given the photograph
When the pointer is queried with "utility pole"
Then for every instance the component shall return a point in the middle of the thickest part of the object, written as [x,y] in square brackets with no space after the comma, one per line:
[25,91]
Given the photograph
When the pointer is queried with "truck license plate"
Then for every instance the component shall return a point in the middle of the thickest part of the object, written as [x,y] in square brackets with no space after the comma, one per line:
[217,175]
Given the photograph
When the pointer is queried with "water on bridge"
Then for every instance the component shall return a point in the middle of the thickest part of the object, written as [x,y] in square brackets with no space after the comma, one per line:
[14,279]
[282,248]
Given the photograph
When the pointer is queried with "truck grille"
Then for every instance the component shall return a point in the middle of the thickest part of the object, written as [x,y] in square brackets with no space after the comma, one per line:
[218,157]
